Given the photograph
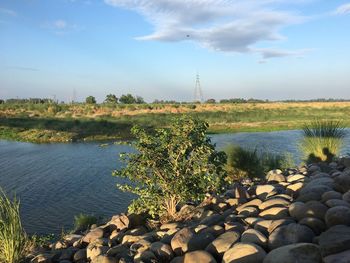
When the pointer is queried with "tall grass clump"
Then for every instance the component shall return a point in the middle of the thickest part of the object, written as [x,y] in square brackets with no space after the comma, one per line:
[322,140]
[251,163]
[13,240]
[83,222]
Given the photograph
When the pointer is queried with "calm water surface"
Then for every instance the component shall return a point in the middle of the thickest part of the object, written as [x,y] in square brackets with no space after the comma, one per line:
[57,181]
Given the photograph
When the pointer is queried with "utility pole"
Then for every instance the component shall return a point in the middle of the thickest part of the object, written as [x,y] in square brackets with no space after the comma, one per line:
[198,94]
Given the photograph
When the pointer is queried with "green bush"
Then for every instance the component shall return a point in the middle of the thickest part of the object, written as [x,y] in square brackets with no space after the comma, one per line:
[13,240]
[251,163]
[83,222]
[172,166]
[322,140]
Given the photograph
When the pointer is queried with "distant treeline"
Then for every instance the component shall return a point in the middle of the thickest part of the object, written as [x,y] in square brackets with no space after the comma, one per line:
[130,99]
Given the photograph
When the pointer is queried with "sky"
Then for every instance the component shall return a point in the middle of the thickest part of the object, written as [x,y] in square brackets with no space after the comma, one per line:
[265,49]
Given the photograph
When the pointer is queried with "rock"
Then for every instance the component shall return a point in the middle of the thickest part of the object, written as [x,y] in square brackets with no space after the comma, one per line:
[140,246]
[294,189]
[342,183]
[198,256]
[315,209]
[343,257]
[249,211]
[212,220]
[179,243]
[200,241]
[251,221]
[93,250]
[290,234]
[130,239]
[274,213]
[331,195]
[338,215]
[295,253]
[145,257]
[170,226]
[240,192]
[93,235]
[296,210]
[234,226]
[80,256]
[114,251]
[335,240]
[104,259]
[280,222]
[263,226]
[233,202]
[296,178]
[244,253]
[220,245]
[119,222]
[252,203]
[42,258]
[254,236]
[346,196]
[274,202]
[262,191]
[337,202]
[215,230]
[317,225]
[162,251]
[71,239]
[67,254]
[275,176]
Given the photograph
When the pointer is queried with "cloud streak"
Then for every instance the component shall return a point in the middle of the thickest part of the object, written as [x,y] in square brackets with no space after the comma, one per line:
[343,9]
[221,25]
[8,12]
[61,27]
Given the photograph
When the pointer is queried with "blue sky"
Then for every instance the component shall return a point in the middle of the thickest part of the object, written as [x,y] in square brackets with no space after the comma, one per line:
[268,49]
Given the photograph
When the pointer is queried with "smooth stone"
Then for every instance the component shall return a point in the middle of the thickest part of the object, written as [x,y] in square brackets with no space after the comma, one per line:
[263,226]
[331,195]
[179,243]
[342,183]
[249,211]
[296,210]
[337,202]
[275,176]
[220,245]
[93,235]
[162,251]
[290,234]
[294,189]
[244,253]
[262,191]
[346,196]
[280,222]
[317,225]
[199,256]
[252,203]
[338,215]
[235,226]
[335,240]
[274,202]
[343,257]
[295,253]
[254,236]
[212,220]
[296,178]
[274,213]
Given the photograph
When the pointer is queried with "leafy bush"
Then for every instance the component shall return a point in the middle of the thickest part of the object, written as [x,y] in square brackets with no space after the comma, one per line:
[83,222]
[243,163]
[171,166]
[90,100]
[322,140]
[13,240]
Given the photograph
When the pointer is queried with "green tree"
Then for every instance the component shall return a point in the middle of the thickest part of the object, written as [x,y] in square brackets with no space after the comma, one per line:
[172,166]
[111,98]
[139,100]
[90,100]
[127,99]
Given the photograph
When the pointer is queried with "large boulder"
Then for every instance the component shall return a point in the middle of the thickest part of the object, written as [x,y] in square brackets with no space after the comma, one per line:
[338,215]
[290,234]
[220,245]
[335,240]
[295,253]
[254,236]
[244,253]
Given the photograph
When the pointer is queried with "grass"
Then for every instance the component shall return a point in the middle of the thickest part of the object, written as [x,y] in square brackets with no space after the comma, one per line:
[77,122]
[13,240]
[322,140]
[243,163]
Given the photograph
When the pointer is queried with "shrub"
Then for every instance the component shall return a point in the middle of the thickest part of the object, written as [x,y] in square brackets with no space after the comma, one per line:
[172,166]
[322,140]
[90,100]
[13,240]
[83,222]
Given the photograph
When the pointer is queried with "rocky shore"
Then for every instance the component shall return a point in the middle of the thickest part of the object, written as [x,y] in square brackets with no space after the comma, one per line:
[298,216]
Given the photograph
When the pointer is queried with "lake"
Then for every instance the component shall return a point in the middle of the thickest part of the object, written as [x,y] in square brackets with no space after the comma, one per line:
[57,181]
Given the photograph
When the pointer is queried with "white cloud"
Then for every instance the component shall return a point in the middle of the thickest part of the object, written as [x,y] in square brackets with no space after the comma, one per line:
[61,27]
[220,25]
[343,9]
[8,12]
[60,24]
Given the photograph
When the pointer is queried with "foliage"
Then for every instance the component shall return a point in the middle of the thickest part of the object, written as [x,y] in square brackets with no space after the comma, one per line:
[83,222]
[172,165]
[243,163]
[322,140]
[130,99]
[90,100]
[111,98]
[212,101]
[13,240]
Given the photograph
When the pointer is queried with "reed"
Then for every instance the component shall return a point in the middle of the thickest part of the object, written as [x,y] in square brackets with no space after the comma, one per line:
[13,240]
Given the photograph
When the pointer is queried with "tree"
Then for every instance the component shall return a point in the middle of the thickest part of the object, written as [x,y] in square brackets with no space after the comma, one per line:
[171,166]
[2,101]
[211,101]
[139,100]
[127,99]
[90,100]
[111,98]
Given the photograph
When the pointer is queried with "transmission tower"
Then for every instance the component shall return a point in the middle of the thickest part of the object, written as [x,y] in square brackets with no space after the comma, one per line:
[198,94]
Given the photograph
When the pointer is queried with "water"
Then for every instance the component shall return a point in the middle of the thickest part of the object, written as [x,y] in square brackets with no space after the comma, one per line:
[57,181]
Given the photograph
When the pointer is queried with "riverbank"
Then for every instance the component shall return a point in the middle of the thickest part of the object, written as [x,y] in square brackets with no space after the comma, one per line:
[83,122]
[300,215]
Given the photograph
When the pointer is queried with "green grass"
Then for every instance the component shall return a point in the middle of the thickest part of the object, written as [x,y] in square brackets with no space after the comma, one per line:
[13,240]
[322,140]
[83,222]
